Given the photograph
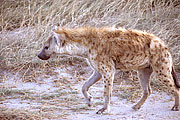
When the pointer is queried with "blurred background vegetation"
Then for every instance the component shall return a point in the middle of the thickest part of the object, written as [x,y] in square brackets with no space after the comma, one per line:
[26,24]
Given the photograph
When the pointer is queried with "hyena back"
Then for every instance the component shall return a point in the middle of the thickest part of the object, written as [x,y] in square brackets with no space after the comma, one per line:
[108,49]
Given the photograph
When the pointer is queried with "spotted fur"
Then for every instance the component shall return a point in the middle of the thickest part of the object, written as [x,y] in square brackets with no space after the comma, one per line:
[108,49]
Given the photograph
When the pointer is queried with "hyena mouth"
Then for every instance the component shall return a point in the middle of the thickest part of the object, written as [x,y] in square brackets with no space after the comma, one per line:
[43,57]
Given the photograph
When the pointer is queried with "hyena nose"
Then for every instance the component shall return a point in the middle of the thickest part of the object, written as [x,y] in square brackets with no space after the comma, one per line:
[43,57]
[39,56]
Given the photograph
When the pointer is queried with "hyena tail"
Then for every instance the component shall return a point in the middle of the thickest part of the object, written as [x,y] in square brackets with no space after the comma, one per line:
[175,78]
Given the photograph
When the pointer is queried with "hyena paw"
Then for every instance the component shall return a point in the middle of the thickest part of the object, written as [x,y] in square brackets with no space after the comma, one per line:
[175,108]
[105,108]
[136,107]
[89,101]
[100,111]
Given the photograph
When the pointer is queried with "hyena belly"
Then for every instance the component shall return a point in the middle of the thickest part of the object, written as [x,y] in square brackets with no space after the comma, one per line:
[132,61]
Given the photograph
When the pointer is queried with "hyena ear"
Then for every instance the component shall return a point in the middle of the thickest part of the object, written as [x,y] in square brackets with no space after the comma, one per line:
[56,38]
[60,31]
[57,30]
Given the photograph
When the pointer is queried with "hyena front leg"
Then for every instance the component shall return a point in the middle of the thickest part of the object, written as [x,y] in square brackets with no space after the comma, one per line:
[96,76]
[144,76]
[108,77]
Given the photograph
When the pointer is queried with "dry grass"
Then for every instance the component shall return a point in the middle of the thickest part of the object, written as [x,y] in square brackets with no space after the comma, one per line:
[18,114]
[26,24]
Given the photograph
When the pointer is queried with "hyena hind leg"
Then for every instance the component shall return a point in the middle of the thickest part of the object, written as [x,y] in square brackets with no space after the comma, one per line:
[96,76]
[177,98]
[167,80]
[177,91]
[144,76]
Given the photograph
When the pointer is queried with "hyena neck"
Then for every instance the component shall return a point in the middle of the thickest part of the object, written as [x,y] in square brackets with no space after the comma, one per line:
[81,36]
[74,49]
[89,40]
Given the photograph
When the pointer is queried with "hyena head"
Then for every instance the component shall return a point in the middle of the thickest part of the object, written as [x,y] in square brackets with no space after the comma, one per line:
[60,44]
[52,46]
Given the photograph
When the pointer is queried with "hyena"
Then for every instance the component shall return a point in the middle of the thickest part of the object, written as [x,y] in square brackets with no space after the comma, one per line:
[107,49]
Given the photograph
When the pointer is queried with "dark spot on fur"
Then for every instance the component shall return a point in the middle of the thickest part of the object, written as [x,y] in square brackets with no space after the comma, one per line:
[166,55]
[166,48]
[165,75]
[151,57]
[163,60]
[162,68]
[132,58]
[160,74]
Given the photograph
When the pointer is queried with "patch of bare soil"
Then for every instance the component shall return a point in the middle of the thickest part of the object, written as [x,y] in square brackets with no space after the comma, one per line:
[58,96]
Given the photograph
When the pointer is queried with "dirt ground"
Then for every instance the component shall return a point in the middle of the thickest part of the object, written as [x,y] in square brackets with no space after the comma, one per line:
[58,96]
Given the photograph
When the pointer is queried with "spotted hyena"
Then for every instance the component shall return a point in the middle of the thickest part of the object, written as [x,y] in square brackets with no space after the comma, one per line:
[107,49]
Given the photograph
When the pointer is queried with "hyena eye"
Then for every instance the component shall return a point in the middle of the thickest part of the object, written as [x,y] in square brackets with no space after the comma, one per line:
[55,40]
[46,47]
[63,43]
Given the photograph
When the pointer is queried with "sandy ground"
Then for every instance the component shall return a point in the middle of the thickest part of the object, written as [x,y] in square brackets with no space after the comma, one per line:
[59,97]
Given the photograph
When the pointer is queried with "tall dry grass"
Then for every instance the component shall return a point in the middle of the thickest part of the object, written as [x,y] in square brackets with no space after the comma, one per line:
[25,25]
